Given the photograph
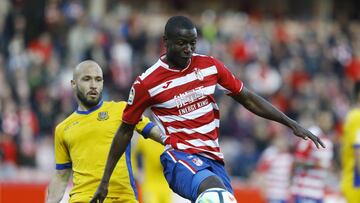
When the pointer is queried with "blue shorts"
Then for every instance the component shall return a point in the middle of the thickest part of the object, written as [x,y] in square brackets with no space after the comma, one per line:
[184,172]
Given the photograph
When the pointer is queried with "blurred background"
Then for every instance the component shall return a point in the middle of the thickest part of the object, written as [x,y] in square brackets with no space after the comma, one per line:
[303,56]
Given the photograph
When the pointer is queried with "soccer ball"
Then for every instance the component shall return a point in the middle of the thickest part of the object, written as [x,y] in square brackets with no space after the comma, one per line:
[216,195]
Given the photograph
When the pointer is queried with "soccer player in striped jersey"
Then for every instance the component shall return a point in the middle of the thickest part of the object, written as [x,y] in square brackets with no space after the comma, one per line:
[311,168]
[179,90]
[83,139]
[350,154]
[274,170]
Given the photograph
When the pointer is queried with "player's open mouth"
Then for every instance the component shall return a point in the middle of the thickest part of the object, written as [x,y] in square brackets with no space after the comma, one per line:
[93,94]
[186,56]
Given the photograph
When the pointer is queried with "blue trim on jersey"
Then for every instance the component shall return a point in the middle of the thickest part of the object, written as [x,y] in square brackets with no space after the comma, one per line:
[128,164]
[145,132]
[356,146]
[356,176]
[91,109]
[63,166]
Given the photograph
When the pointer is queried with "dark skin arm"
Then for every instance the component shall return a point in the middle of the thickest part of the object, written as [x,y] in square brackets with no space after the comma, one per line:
[262,108]
[117,149]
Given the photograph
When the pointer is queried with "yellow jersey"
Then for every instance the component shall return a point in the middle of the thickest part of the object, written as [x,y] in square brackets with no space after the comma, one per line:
[350,183]
[153,187]
[82,143]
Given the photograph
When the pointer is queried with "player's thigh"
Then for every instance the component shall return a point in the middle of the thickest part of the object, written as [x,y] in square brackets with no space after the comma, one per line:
[185,172]
[220,171]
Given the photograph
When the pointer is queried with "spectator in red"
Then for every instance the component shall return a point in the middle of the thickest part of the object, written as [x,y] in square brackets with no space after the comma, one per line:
[352,70]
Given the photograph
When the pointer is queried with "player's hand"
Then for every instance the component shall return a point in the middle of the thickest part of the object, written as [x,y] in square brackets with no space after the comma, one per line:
[100,194]
[305,134]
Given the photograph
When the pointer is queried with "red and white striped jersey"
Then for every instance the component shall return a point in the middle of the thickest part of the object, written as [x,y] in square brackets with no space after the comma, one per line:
[183,103]
[276,166]
[310,182]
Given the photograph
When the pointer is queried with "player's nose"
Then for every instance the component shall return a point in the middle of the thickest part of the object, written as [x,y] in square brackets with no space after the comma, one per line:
[93,84]
[187,48]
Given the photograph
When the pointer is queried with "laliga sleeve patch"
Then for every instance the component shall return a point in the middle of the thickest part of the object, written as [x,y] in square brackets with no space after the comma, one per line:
[131,96]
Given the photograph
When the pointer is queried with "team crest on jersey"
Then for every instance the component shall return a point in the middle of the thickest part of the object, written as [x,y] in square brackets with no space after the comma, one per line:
[131,96]
[197,161]
[102,116]
[199,74]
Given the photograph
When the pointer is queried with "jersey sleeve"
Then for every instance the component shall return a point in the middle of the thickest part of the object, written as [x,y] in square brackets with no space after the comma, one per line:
[138,101]
[352,128]
[62,157]
[356,143]
[227,82]
[144,126]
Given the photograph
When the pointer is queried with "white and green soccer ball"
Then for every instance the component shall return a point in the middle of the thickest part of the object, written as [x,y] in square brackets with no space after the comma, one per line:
[216,195]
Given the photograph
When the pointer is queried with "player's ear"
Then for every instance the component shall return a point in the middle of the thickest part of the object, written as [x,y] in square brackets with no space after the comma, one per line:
[73,84]
[165,39]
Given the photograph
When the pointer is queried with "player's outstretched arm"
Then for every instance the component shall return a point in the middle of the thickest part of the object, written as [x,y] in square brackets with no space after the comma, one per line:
[261,107]
[117,149]
[57,185]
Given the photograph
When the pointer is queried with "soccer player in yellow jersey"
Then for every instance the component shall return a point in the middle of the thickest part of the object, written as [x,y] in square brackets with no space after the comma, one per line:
[350,183]
[153,186]
[82,142]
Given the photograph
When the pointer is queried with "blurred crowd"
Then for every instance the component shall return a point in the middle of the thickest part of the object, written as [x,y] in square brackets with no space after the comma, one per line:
[304,67]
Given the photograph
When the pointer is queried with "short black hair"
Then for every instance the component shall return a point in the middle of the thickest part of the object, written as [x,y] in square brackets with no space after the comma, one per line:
[177,22]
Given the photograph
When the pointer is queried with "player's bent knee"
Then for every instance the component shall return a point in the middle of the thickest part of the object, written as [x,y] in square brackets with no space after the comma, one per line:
[210,182]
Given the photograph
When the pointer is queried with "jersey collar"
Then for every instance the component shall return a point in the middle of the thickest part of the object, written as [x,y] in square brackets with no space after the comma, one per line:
[91,109]
[166,66]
